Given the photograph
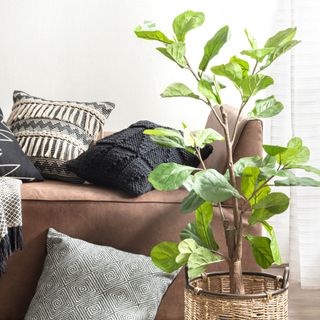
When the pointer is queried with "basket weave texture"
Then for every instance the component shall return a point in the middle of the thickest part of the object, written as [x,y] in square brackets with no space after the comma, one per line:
[208,298]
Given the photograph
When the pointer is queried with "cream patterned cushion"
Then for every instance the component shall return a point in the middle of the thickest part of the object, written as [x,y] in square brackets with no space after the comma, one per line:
[85,281]
[52,132]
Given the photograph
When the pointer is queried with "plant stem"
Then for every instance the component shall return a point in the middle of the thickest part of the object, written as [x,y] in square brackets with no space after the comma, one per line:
[190,69]
[215,114]
[198,151]
[243,104]
[233,234]
[260,187]
[255,67]
[221,255]
[205,101]
[224,220]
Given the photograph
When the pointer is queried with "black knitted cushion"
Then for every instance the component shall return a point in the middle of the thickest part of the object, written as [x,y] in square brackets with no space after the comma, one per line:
[124,159]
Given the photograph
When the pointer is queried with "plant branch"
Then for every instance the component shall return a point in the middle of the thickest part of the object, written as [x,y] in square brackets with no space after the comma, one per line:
[190,69]
[207,101]
[255,67]
[216,114]
[198,151]
[225,221]
[230,163]
[260,187]
[243,104]
[221,255]
[255,192]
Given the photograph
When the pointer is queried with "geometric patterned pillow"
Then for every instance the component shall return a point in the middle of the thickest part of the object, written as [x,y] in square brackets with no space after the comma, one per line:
[81,280]
[52,132]
[13,162]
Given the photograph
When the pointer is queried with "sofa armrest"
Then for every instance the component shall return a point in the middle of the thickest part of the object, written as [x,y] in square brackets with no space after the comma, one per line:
[250,141]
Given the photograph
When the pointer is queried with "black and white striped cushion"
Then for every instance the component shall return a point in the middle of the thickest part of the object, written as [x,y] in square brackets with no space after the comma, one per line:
[54,132]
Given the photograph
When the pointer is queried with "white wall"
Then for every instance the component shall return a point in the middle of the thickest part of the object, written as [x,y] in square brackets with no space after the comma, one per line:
[86,50]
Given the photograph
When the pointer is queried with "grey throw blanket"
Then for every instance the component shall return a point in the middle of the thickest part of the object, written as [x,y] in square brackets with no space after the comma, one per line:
[10,219]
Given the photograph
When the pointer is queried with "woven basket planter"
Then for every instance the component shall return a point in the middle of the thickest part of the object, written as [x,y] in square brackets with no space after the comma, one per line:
[266,298]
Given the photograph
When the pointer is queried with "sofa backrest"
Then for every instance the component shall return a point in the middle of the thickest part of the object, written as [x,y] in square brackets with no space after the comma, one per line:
[248,141]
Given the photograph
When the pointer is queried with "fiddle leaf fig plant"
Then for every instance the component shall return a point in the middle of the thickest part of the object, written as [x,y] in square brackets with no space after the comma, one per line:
[207,188]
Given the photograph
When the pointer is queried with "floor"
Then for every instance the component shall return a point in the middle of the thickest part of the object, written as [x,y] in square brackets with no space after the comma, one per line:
[303,304]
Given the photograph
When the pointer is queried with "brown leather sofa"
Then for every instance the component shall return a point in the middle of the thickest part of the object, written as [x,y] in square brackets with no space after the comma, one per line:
[109,217]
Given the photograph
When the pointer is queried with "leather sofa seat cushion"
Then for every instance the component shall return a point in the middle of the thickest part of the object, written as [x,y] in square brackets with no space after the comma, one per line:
[52,190]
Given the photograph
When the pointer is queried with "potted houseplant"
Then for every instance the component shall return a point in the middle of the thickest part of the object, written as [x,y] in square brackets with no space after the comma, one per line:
[207,187]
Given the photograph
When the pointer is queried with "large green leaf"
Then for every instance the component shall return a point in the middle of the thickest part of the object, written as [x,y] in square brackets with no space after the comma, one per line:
[262,193]
[259,215]
[164,132]
[251,85]
[266,108]
[169,176]
[298,181]
[177,51]
[282,41]
[275,203]
[257,54]
[273,244]
[190,232]
[188,184]
[249,181]
[164,51]
[205,136]
[212,186]
[213,46]
[167,138]
[279,51]
[204,216]
[148,31]
[167,142]
[261,249]
[239,166]
[189,139]
[205,88]
[191,202]
[185,22]
[251,39]
[231,70]
[273,150]
[280,38]
[296,153]
[267,168]
[164,256]
[244,65]
[200,230]
[305,168]
[185,247]
[178,90]
[199,260]
[269,161]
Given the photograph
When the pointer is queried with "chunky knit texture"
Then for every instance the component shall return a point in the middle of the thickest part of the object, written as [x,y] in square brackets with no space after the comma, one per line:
[124,159]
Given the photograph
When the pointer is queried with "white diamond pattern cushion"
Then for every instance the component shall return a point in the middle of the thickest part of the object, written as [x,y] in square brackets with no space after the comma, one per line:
[85,281]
